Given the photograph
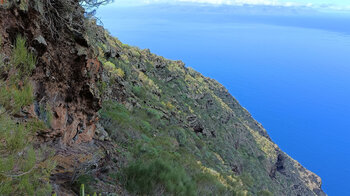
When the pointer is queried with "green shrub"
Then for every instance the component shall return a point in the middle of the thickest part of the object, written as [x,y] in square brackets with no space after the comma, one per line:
[13,98]
[13,134]
[102,87]
[139,91]
[35,125]
[23,60]
[23,96]
[180,135]
[115,112]
[119,72]
[124,67]
[153,114]
[109,66]
[22,169]
[82,191]
[85,181]
[209,185]
[145,126]
[18,92]
[247,179]
[24,5]
[157,176]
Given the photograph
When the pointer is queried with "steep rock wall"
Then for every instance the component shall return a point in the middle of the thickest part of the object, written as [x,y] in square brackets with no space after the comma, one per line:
[64,78]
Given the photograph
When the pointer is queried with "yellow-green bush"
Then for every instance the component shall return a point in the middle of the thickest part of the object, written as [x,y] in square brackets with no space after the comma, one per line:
[109,66]
[112,69]
[120,72]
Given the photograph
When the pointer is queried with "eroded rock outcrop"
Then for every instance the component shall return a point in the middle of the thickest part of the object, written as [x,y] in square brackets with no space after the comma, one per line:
[64,79]
[66,95]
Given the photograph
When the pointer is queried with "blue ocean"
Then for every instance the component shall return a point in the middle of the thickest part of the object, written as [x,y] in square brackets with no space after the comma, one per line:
[289,67]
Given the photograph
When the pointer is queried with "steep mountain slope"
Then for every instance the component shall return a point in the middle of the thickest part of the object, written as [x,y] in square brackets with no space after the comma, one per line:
[202,119]
[122,120]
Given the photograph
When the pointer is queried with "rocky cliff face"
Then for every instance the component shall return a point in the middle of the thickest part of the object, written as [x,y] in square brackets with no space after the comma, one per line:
[64,77]
[110,106]
[64,84]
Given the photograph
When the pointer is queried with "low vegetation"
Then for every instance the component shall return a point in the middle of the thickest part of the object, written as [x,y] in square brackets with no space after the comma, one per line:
[156,177]
[23,169]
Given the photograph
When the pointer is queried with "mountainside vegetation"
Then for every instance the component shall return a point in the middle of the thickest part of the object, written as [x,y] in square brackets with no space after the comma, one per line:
[23,169]
[81,112]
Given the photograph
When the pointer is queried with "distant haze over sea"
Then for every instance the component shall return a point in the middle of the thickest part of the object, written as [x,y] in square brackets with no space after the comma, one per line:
[288,66]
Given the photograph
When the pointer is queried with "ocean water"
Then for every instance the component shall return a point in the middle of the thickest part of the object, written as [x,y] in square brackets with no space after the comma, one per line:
[290,68]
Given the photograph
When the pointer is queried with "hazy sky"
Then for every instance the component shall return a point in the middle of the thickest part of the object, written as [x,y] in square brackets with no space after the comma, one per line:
[330,4]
